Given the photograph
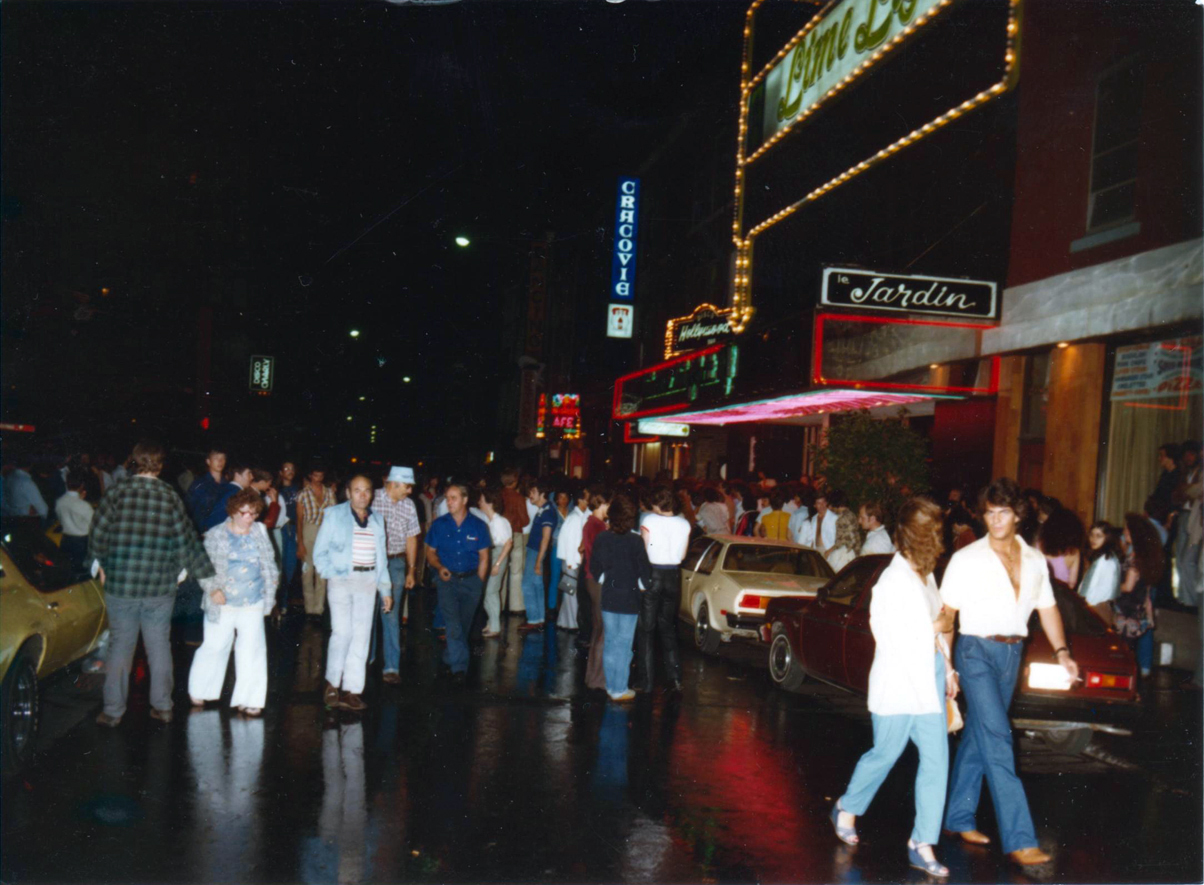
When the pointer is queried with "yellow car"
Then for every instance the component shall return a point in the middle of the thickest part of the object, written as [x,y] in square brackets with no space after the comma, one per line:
[51,615]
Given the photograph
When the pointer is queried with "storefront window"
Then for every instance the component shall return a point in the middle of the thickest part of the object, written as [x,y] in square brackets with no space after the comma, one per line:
[1155,399]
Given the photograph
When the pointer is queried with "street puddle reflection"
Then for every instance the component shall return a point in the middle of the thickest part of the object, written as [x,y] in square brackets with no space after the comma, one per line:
[340,850]
[226,757]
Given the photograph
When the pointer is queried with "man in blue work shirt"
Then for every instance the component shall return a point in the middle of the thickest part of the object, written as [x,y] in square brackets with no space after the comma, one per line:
[457,550]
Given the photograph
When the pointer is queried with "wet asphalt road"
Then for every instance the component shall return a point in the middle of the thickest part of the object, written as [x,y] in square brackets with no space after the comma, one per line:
[525,776]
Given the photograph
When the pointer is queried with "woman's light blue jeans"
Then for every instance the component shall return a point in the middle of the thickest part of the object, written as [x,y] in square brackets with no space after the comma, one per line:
[619,633]
[929,733]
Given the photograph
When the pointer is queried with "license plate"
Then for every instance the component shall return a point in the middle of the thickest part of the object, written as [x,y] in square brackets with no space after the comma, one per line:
[1051,677]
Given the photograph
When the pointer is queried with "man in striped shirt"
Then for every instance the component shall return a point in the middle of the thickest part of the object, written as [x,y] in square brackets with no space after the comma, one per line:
[350,554]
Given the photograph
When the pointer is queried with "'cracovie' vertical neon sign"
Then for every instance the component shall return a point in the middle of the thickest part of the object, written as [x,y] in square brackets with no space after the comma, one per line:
[824,45]
[622,268]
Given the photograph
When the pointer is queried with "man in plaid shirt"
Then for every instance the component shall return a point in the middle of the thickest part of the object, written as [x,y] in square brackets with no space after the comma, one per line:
[143,543]
[395,507]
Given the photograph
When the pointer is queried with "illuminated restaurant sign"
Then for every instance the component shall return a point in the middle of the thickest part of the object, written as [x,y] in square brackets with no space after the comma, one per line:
[832,49]
[907,293]
[704,377]
[560,415]
[263,374]
[662,428]
[706,325]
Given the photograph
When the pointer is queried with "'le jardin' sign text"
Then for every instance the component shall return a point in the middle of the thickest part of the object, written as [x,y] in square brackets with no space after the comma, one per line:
[906,293]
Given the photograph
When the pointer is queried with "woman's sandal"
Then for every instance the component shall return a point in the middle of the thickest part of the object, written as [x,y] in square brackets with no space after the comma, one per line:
[931,867]
[847,835]
[252,712]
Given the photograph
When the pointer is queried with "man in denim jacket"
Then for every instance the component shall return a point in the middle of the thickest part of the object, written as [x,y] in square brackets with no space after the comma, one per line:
[350,554]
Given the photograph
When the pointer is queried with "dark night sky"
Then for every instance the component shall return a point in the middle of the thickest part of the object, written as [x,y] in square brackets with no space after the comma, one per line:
[191,154]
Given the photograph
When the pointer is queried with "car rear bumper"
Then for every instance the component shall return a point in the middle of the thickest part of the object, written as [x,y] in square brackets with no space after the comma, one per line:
[1043,713]
[745,623]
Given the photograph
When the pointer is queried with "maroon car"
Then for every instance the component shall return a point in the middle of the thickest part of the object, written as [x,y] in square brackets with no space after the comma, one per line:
[828,638]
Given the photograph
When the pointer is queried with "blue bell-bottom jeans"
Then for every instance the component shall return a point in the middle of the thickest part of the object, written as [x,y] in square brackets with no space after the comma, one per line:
[987,672]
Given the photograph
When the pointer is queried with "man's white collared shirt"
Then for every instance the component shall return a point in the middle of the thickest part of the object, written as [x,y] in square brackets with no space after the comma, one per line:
[877,541]
[976,583]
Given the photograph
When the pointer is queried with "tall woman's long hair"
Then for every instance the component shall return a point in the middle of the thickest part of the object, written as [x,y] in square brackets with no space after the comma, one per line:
[918,533]
[1147,548]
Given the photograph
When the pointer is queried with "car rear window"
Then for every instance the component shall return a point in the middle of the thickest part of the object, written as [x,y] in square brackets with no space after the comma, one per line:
[773,560]
[1077,617]
[42,563]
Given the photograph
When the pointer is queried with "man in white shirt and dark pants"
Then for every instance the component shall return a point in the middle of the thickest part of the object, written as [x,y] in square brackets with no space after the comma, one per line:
[568,550]
[666,538]
[995,583]
[819,532]
[877,539]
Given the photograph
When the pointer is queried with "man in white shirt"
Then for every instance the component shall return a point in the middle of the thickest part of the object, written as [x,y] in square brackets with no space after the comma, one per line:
[819,531]
[21,494]
[666,538]
[877,539]
[800,516]
[75,516]
[994,584]
[568,544]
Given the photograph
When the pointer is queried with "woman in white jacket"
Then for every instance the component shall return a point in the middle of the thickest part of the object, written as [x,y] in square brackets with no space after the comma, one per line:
[236,600]
[909,681]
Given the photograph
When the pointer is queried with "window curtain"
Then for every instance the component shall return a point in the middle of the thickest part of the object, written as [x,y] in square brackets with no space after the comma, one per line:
[1134,435]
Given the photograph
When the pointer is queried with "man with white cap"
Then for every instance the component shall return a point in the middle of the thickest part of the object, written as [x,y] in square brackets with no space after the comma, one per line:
[394,505]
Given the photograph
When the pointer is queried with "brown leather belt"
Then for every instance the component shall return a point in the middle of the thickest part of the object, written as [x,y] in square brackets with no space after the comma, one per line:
[1009,640]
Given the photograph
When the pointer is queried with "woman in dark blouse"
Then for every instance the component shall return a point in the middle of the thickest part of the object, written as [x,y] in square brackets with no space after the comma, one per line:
[591,623]
[620,559]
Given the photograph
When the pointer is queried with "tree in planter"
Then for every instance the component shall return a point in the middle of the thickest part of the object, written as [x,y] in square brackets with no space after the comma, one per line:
[873,459]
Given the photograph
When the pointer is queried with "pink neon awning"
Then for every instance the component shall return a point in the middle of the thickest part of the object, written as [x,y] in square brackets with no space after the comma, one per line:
[815,402]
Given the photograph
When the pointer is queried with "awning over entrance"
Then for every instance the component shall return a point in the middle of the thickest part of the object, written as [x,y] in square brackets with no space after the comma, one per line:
[815,402]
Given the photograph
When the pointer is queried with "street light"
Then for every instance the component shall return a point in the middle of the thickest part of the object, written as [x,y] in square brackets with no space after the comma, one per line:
[354,333]
[462,241]
[405,379]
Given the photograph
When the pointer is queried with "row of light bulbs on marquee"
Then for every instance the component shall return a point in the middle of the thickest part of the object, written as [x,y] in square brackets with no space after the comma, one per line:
[741,296]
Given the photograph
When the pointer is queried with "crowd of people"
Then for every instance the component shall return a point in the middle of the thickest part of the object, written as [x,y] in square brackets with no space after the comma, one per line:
[604,562]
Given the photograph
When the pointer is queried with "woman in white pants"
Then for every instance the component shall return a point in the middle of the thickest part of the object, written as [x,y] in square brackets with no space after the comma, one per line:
[502,538]
[236,600]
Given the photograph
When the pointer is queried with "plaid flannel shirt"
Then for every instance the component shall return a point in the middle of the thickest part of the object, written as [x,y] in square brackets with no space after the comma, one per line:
[143,537]
[401,520]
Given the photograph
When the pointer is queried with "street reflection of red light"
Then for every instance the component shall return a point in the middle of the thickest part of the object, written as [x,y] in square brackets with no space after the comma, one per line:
[751,783]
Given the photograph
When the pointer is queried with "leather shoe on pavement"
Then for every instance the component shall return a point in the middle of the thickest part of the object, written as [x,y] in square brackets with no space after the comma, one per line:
[330,696]
[107,721]
[1028,857]
[970,837]
[161,715]
[392,678]
[352,702]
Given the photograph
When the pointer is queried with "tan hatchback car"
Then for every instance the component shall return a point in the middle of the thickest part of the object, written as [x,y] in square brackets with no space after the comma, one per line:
[728,580]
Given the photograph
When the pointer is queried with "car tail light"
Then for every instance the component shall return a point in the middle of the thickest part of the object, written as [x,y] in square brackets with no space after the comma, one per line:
[753,601]
[1108,680]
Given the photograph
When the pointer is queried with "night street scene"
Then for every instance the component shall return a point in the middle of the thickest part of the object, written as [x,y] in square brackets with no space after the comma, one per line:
[602,441]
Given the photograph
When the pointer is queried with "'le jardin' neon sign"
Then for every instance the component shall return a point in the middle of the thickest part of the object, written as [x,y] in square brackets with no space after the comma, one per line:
[807,73]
